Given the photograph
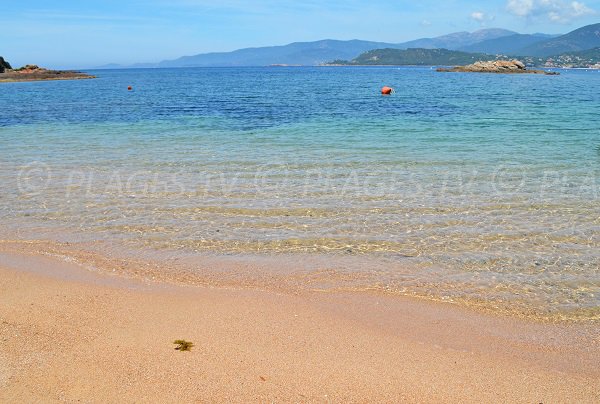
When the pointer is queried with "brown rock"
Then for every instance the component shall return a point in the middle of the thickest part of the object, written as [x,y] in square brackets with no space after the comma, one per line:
[495,66]
[36,73]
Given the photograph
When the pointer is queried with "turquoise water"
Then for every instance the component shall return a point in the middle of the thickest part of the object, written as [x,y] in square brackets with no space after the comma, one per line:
[484,186]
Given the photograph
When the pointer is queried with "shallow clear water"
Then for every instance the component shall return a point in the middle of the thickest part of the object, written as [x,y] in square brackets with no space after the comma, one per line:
[485,186]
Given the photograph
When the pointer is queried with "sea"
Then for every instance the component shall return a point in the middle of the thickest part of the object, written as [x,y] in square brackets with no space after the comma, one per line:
[480,189]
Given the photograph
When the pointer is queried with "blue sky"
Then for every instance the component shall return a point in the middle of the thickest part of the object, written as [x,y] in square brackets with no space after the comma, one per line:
[80,33]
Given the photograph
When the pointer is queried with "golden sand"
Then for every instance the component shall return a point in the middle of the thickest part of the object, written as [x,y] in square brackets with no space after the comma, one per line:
[71,334]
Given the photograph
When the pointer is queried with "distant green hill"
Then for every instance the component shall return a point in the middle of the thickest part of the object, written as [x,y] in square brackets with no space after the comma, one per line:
[4,65]
[445,57]
[415,57]
[584,38]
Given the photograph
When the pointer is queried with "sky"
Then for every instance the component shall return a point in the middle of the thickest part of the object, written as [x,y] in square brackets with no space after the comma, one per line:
[85,33]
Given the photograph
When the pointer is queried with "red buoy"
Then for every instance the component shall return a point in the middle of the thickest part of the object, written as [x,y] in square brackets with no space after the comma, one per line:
[129,88]
[387,90]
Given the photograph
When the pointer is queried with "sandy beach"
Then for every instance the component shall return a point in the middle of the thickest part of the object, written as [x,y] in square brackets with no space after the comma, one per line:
[71,334]
[290,202]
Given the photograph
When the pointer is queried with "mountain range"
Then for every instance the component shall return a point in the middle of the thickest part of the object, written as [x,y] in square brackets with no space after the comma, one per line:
[581,39]
[494,41]
[507,45]
[298,53]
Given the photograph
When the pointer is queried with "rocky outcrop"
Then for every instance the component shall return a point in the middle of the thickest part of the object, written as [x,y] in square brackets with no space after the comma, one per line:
[4,65]
[30,69]
[36,73]
[496,66]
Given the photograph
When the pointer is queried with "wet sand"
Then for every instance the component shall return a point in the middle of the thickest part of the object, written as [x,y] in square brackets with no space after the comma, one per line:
[71,334]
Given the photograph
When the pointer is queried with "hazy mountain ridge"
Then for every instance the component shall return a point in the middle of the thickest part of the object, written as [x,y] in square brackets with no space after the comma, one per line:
[458,40]
[319,52]
[297,53]
[581,39]
[508,45]
[494,41]
[314,53]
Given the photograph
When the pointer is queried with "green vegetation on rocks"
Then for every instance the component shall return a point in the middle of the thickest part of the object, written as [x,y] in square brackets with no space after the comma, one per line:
[415,57]
[4,65]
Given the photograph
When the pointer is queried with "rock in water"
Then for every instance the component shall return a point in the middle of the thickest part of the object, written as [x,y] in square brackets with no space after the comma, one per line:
[4,65]
[36,73]
[496,66]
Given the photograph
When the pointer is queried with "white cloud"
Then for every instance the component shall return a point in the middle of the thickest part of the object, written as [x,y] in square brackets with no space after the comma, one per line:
[478,16]
[580,9]
[522,8]
[553,10]
[481,17]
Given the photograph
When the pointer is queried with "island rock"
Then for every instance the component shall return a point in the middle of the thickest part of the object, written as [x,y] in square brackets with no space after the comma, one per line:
[496,66]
